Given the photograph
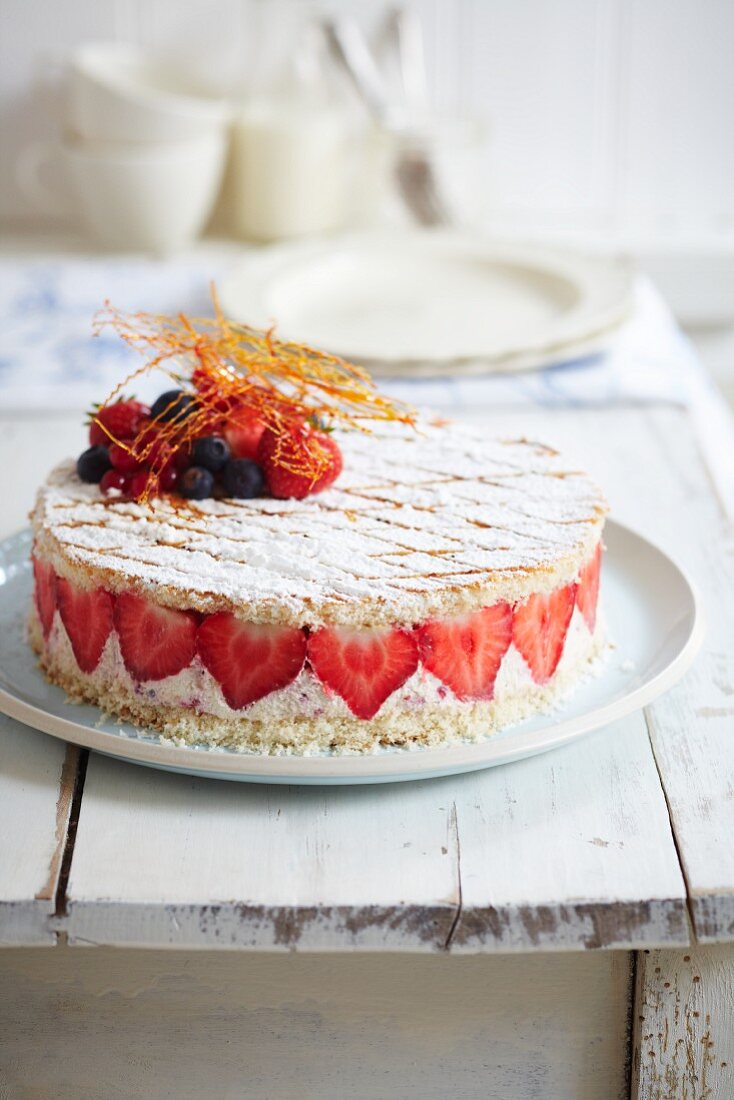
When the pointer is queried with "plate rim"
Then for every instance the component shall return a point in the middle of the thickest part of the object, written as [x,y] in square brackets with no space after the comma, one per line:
[391,766]
[579,327]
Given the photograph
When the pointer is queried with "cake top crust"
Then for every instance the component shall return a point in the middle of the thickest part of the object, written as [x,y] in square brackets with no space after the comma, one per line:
[422,523]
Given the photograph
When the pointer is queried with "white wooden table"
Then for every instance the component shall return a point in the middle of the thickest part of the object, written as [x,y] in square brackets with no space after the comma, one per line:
[562,927]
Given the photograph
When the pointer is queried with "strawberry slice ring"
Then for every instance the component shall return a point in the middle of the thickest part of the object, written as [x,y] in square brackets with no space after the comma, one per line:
[249,661]
[465,653]
[364,667]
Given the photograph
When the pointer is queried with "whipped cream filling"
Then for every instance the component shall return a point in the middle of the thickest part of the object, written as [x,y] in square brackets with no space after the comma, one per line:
[194,688]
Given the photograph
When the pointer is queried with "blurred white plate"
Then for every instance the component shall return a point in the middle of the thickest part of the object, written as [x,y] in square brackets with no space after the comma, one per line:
[427,302]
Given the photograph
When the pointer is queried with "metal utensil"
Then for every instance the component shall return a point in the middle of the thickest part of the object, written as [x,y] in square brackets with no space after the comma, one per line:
[400,37]
[413,170]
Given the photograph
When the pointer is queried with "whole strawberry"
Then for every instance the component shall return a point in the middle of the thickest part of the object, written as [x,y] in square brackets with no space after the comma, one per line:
[298,448]
[123,420]
[243,432]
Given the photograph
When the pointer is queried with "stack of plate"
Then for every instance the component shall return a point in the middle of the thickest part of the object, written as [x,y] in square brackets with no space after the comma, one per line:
[432,303]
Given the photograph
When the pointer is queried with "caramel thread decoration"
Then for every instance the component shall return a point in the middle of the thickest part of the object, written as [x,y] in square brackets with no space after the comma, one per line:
[235,372]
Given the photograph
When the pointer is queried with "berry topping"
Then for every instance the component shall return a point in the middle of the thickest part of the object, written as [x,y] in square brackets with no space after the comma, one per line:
[115,483]
[123,420]
[138,484]
[93,464]
[87,618]
[196,483]
[587,590]
[155,641]
[247,660]
[466,652]
[173,405]
[284,457]
[364,667]
[45,593]
[539,629]
[169,477]
[243,479]
[211,452]
[123,460]
[243,434]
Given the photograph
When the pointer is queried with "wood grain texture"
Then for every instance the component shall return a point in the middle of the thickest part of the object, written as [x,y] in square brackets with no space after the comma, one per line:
[153,1024]
[36,783]
[165,859]
[650,464]
[684,1025]
[670,499]
[692,727]
[32,444]
[570,850]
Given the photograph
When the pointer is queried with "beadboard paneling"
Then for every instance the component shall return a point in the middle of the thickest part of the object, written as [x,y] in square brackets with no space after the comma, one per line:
[608,118]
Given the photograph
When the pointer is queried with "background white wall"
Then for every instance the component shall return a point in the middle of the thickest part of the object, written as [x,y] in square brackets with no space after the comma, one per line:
[611,117]
[612,121]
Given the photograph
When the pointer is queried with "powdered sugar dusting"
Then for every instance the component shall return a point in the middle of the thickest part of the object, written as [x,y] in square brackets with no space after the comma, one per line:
[419,522]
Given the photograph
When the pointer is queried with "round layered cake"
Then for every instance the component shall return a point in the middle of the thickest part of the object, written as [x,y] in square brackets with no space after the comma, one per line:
[445,587]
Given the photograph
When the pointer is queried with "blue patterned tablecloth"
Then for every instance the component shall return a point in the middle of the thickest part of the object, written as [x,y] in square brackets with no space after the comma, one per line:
[49,359]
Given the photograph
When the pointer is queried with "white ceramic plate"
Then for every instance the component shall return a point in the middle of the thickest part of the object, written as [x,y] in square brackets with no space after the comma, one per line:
[650,608]
[422,303]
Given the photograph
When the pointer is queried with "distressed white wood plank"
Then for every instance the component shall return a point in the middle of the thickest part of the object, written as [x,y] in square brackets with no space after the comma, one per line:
[167,859]
[693,726]
[37,775]
[162,859]
[572,849]
[651,467]
[668,496]
[31,445]
[683,1035]
[284,1027]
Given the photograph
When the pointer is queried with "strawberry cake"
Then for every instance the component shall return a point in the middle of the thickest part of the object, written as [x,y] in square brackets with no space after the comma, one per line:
[445,587]
[228,574]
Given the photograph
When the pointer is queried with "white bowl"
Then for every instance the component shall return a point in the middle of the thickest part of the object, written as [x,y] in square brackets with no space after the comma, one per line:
[118,92]
[142,197]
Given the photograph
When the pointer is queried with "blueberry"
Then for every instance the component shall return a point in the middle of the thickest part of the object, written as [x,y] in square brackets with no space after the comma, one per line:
[196,483]
[93,464]
[211,452]
[243,478]
[173,405]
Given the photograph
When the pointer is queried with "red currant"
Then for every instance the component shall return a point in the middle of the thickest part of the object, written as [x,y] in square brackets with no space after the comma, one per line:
[138,484]
[169,477]
[114,481]
[122,460]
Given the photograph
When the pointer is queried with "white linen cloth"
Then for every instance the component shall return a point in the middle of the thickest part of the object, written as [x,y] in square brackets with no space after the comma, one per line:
[49,359]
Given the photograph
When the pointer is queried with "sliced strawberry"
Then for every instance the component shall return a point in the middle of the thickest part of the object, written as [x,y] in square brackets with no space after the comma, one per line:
[539,629]
[87,618]
[45,593]
[243,434]
[587,590]
[155,641]
[122,420]
[283,456]
[466,652]
[248,660]
[364,667]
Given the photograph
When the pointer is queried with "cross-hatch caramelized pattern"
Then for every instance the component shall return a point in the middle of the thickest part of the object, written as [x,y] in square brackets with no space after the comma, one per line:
[420,523]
